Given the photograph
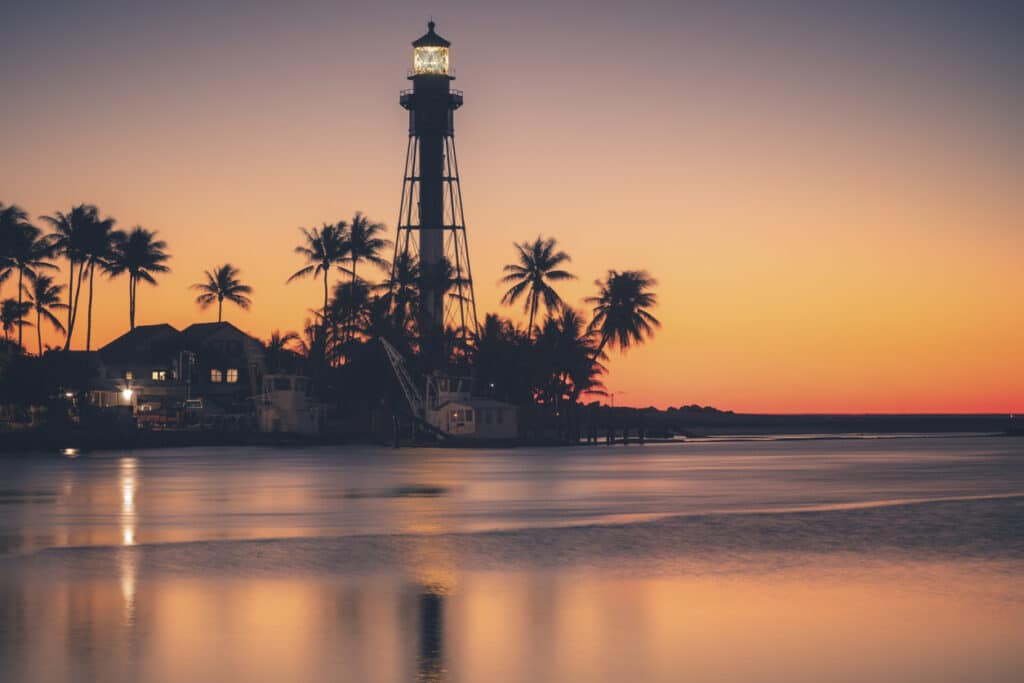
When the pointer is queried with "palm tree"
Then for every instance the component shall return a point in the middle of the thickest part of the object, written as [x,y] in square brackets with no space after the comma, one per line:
[402,289]
[621,314]
[44,297]
[100,242]
[538,263]
[365,242]
[12,314]
[313,347]
[223,283]
[278,348]
[499,360]
[139,254]
[575,357]
[86,241]
[7,227]
[25,250]
[67,240]
[348,307]
[325,248]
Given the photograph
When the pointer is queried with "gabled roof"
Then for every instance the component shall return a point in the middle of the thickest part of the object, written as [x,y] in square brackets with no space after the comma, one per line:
[430,39]
[198,333]
[142,341]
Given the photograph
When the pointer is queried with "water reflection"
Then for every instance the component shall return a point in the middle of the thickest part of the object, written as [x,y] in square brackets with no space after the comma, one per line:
[934,621]
[199,494]
[430,662]
[390,587]
[126,561]
[128,484]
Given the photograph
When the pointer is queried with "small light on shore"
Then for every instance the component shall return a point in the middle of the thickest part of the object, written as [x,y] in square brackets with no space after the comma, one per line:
[69,452]
[126,394]
[68,394]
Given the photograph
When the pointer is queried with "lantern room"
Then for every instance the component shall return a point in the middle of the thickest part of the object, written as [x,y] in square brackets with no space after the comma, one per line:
[430,54]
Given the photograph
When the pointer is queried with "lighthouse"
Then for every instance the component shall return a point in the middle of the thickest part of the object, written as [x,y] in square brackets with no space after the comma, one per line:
[431,224]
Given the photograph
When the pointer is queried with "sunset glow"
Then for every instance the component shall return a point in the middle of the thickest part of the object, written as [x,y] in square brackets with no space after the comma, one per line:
[830,203]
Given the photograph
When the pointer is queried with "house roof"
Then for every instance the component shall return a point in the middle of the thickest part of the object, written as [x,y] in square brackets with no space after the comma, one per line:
[198,332]
[141,341]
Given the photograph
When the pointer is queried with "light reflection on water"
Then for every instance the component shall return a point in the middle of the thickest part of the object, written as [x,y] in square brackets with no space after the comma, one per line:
[196,494]
[403,566]
[889,624]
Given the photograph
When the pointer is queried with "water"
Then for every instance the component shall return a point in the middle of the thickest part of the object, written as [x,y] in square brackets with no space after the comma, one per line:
[813,560]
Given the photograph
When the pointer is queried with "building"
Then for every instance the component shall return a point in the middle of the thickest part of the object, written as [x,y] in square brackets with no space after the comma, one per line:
[140,369]
[431,226]
[451,408]
[286,405]
[206,374]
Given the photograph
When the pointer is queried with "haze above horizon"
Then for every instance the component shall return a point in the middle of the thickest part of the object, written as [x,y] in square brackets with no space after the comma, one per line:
[829,196]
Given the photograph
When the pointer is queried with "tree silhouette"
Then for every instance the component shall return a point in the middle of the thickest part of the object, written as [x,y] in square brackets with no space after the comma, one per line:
[223,283]
[278,348]
[325,248]
[365,242]
[44,298]
[25,250]
[569,347]
[538,264]
[621,315]
[141,255]
[347,307]
[501,358]
[86,241]
[402,290]
[99,251]
[12,314]
[7,227]
[67,240]
[313,346]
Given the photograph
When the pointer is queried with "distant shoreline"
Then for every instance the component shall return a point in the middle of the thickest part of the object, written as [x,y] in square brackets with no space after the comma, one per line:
[82,441]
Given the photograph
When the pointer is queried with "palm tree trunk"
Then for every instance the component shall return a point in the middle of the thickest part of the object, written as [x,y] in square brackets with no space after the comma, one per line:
[71,293]
[220,308]
[88,319]
[349,331]
[77,301]
[21,272]
[131,301]
[325,296]
[39,330]
[533,312]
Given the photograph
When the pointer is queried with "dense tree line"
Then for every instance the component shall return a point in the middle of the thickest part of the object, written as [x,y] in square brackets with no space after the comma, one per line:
[557,358]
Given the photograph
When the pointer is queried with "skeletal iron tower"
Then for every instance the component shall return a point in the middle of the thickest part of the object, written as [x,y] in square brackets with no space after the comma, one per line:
[431,226]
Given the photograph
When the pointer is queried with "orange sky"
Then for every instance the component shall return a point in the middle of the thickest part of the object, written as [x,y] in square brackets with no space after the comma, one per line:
[834,217]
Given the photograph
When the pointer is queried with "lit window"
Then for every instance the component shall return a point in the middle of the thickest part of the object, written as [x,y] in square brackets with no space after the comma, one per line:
[159,375]
[129,376]
[216,376]
[232,375]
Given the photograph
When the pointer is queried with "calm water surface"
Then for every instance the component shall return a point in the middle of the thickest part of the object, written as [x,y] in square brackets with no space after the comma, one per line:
[825,560]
